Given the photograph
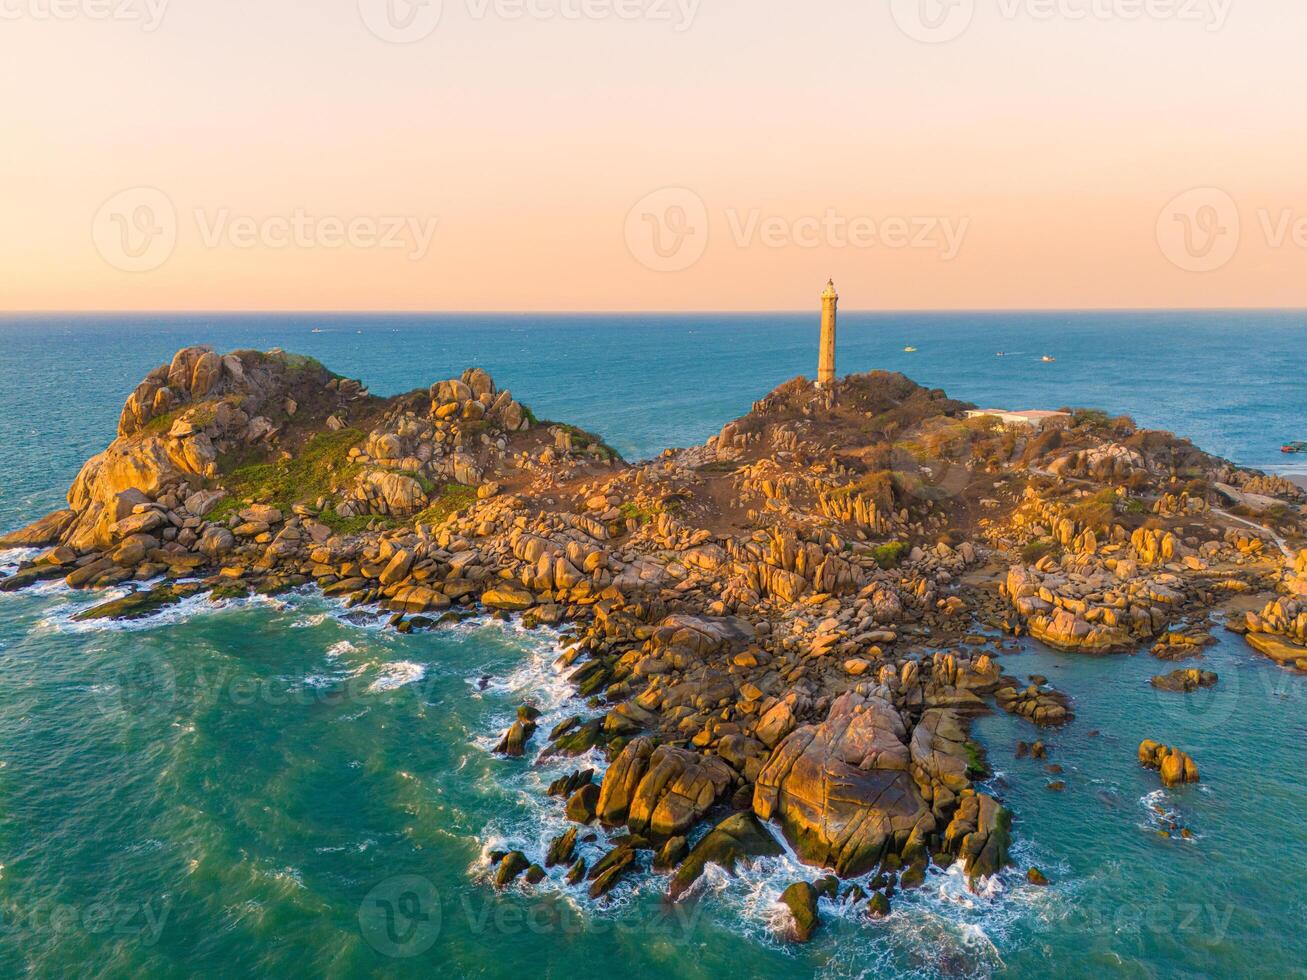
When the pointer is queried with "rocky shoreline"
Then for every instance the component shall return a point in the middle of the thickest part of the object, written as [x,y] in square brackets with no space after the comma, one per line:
[784,632]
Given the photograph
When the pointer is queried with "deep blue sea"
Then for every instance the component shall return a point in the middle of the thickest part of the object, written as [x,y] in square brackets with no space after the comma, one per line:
[282,788]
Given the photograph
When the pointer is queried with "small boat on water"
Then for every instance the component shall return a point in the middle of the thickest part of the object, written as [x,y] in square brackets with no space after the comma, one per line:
[316,330]
[1048,358]
[1294,447]
[909,350]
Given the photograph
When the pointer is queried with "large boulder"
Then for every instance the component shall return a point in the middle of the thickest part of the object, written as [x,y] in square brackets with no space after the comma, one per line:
[112,483]
[801,901]
[622,780]
[395,494]
[980,833]
[1175,767]
[737,839]
[940,758]
[509,598]
[843,791]
[676,791]
[47,530]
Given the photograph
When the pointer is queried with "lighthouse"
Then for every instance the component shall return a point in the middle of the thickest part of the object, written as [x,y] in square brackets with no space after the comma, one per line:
[830,301]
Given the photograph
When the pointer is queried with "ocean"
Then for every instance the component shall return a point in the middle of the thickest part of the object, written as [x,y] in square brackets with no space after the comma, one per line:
[284,787]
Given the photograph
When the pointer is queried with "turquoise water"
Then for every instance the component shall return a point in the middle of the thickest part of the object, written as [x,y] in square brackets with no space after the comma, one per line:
[249,788]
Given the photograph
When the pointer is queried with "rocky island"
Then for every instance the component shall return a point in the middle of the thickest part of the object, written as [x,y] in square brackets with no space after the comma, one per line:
[783,632]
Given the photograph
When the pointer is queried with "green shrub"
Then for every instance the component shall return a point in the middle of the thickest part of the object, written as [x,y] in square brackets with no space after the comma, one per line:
[634,512]
[1096,511]
[890,555]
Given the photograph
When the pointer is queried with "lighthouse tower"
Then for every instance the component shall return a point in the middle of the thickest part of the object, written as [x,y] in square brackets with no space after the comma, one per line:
[830,301]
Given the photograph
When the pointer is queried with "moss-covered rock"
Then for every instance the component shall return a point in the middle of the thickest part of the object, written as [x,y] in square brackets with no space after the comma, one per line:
[801,899]
[510,867]
[138,605]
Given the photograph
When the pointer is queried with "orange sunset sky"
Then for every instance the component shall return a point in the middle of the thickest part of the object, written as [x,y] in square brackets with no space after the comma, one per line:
[651,154]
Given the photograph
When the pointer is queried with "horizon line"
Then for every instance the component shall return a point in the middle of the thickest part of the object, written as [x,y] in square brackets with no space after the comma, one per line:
[636,312]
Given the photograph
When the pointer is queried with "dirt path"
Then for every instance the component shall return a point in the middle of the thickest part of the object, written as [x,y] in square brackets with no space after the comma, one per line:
[1279,541]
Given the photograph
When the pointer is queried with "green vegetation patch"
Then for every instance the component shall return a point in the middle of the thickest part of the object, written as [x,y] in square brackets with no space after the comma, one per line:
[352,525]
[321,469]
[428,486]
[634,512]
[890,555]
[977,763]
[449,500]
[1038,549]
[200,414]
[1096,511]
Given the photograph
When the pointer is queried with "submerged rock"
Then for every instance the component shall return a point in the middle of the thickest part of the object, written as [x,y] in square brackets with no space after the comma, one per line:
[513,744]
[138,605]
[1185,681]
[611,868]
[561,848]
[513,864]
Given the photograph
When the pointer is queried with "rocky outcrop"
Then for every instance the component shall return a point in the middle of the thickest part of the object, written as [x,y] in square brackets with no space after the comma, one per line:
[797,619]
[738,839]
[1279,631]
[1175,767]
[662,791]
[842,791]
[980,833]
[1185,681]
[45,531]
[1042,705]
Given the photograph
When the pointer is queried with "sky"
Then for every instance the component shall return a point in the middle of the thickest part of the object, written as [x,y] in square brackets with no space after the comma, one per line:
[651,155]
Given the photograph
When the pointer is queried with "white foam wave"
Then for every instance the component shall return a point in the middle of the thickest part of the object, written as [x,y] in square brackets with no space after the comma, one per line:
[340,649]
[61,618]
[397,675]
[11,558]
